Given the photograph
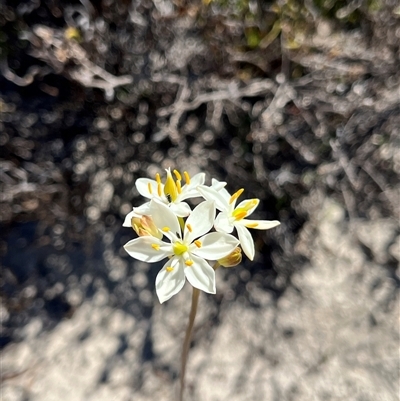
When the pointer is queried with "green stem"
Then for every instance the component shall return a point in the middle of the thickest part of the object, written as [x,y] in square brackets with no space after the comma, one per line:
[188,337]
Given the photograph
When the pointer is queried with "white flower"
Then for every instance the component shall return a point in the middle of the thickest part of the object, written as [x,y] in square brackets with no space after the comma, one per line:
[187,252]
[234,217]
[172,193]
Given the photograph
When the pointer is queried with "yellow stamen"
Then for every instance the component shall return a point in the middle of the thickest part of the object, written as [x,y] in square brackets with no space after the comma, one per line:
[166,229]
[159,189]
[189,227]
[169,269]
[187,177]
[198,243]
[236,195]
[189,262]
[239,213]
[158,178]
[155,246]
[150,188]
[177,175]
[251,225]
[178,186]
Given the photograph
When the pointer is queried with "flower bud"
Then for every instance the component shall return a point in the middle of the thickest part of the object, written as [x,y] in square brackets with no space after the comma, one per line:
[144,226]
[233,259]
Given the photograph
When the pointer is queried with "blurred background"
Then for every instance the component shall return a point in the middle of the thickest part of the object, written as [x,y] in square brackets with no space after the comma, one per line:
[296,101]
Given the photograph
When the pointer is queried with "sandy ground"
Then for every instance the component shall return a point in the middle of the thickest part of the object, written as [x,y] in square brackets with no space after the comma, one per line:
[333,335]
[135,87]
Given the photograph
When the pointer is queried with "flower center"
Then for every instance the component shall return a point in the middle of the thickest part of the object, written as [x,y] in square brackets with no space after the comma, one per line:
[179,248]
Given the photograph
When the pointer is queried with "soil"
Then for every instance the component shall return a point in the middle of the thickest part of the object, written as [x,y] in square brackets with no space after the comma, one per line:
[296,102]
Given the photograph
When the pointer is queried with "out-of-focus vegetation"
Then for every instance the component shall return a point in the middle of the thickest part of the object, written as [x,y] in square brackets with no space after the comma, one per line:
[282,98]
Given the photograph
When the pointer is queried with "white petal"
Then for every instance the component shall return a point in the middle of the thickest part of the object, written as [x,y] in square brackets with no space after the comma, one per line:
[215,246]
[200,220]
[223,223]
[141,249]
[225,194]
[142,185]
[128,219]
[190,190]
[244,203]
[143,209]
[197,179]
[201,275]
[217,185]
[218,197]
[181,209]
[169,283]
[246,240]
[164,217]
[261,224]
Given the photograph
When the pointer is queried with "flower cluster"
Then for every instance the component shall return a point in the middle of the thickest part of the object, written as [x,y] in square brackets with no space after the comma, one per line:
[168,228]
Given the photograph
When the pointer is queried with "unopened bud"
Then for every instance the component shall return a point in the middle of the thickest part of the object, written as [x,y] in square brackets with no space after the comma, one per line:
[233,259]
[144,226]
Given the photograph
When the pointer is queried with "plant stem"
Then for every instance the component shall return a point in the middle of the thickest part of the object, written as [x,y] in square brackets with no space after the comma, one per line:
[188,337]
